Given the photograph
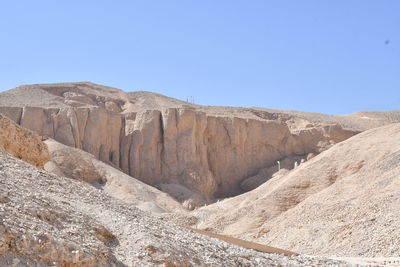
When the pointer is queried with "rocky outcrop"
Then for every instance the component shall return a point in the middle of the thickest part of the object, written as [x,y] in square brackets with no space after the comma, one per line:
[22,143]
[208,152]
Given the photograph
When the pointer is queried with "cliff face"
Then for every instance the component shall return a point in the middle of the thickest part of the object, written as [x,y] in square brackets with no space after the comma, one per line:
[164,141]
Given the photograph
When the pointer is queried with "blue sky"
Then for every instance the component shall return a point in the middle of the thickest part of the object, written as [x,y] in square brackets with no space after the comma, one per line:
[334,57]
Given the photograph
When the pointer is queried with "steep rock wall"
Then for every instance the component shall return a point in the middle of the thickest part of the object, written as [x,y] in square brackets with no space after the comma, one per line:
[211,155]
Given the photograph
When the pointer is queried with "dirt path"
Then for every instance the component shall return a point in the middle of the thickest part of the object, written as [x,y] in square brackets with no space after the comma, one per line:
[245,244]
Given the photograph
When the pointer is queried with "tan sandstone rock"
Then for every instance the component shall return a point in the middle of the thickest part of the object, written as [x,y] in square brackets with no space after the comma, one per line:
[22,143]
[159,140]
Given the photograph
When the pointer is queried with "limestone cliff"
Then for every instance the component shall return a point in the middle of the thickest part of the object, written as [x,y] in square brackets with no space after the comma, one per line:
[159,140]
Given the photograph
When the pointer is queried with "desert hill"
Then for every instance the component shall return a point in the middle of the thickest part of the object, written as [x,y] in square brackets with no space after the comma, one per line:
[207,152]
[345,201]
[359,121]
[51,220]
[303,182]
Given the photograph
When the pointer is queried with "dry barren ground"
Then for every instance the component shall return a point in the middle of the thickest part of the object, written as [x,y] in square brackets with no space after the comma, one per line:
[344,201]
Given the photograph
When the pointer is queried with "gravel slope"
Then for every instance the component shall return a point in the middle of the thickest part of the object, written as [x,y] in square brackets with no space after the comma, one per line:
[46,218]
[344,202]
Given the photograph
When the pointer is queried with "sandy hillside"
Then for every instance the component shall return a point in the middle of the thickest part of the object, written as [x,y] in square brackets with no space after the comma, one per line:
[48,220]
[361,121]
[78,164]
[336,193]
[344,201]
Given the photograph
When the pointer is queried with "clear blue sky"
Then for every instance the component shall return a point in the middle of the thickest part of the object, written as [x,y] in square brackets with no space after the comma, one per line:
[334,57]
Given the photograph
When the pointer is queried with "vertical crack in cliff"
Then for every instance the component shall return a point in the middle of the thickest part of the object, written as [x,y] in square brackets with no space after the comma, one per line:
[19,117]
[227,132]
[121,136]
[162,141]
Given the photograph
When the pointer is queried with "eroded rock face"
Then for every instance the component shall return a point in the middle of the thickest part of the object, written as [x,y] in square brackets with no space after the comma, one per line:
[22,143]
[344,201]
[208,152]
[209,155]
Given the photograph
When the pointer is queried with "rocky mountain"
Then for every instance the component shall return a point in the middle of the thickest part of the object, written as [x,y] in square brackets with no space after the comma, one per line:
[50,220]
[94,176]
[345,201]
[205,152]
